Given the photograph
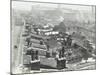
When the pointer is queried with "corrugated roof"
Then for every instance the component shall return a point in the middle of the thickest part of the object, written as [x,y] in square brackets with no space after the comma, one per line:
[35,41]
[38,46]
[39,36]
[34,48]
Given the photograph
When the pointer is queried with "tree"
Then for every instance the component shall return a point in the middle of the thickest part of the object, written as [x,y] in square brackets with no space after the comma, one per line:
[61,27]
[85,54]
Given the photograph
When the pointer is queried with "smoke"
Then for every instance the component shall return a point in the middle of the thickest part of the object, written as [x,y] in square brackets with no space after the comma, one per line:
[61,19]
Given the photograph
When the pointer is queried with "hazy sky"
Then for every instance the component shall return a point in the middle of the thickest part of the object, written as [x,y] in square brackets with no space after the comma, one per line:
[27,6]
